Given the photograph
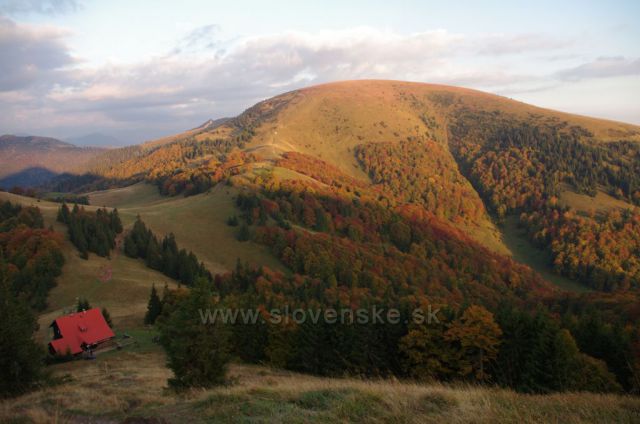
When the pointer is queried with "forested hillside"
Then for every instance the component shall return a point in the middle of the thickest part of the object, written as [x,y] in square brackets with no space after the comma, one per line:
[459,154]
[391,195]
[30,255]
[521,168]
[349,248]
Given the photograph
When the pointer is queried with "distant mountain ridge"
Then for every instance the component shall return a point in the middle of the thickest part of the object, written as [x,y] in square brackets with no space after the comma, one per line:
[10,140]
[32,160]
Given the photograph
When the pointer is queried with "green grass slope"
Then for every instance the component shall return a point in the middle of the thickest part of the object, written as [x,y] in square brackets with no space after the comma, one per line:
[198,222]
[122,284]
[522,250]
[119,283]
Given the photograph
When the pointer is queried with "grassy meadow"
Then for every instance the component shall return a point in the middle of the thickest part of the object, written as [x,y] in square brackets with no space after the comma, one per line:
[198,222]
[600,204]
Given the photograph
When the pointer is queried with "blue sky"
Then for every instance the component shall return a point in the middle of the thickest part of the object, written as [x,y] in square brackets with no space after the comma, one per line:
[138,69]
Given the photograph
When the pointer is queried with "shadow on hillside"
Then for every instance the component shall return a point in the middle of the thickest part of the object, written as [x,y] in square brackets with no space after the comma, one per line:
[47,180]
[28,178]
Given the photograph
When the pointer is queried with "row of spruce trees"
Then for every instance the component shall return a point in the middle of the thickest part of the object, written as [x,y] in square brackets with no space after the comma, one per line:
[164,255]
[91,231]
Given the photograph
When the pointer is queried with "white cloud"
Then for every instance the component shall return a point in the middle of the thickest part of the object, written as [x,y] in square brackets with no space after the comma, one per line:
[204,77]
[504,44]
[602,67]
[30,54]
[198,40]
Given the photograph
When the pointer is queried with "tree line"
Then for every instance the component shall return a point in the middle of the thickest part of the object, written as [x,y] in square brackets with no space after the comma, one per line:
[32,254]
[91,231]
[30,260]
[520,167]
[164,255]
[528,352]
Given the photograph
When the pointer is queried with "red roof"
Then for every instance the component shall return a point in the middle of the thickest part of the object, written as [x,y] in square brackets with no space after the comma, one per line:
[80,329]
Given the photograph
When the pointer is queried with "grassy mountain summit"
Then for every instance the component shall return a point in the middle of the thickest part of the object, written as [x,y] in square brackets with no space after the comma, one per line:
[328,120]
[460,154]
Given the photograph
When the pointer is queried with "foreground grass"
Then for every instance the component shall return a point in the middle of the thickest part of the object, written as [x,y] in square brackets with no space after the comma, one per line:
[132,385]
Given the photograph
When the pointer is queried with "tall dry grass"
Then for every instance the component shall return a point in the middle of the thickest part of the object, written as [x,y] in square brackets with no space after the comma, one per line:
[133,385]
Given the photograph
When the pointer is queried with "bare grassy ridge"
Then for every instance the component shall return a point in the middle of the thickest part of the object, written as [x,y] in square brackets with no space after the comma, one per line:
[133,385]
[327,120]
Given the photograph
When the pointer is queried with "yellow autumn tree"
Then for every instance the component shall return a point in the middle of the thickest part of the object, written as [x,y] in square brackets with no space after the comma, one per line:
[478,337]
[426,354]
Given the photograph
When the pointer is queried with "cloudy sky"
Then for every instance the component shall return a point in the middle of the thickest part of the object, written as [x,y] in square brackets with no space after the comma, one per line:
[141,69]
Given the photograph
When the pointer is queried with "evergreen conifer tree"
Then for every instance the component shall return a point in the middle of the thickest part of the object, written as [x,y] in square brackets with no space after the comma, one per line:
[197,352]
[154,307]
[130,247]
[82,305]
[243,233]
[20,356]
